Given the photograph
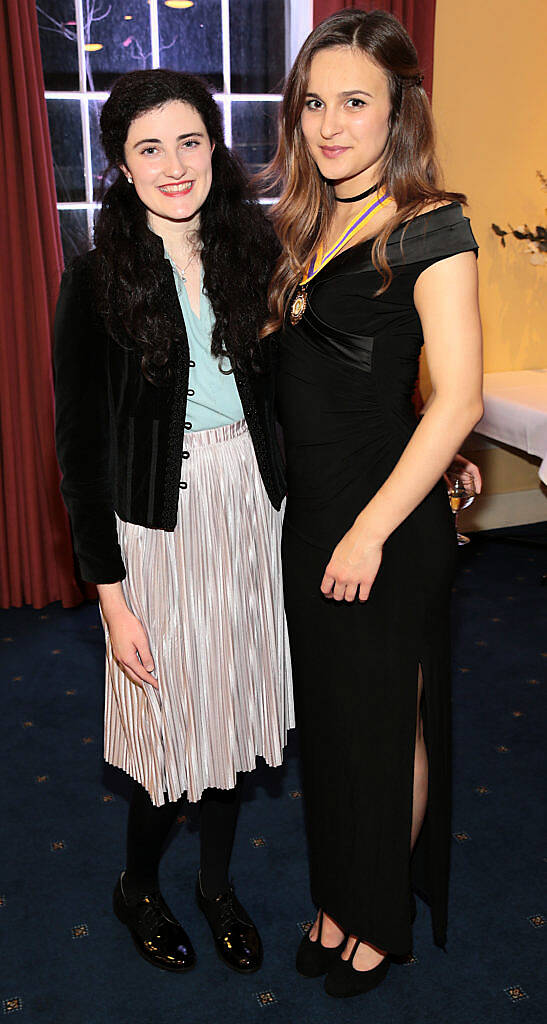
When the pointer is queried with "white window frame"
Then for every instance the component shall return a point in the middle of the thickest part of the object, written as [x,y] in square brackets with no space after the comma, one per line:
[298,24]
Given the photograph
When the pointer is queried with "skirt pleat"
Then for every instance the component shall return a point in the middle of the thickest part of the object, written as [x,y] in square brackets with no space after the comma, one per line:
[209,596]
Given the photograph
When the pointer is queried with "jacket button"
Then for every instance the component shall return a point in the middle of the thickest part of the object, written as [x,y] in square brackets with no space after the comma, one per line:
[191,391]
[183,485]
[188,425]
[192,363]
[186,455]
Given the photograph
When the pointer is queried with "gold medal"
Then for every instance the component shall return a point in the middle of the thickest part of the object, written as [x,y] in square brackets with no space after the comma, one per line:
[298,306]
[320,258]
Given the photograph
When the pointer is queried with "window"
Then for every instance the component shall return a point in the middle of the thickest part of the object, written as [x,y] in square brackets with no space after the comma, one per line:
[243,47]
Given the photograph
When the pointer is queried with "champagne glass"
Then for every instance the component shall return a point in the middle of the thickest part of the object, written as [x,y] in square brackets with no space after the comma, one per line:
[461,493]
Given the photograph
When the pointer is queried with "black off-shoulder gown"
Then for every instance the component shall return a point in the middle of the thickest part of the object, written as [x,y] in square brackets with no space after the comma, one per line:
[346,376]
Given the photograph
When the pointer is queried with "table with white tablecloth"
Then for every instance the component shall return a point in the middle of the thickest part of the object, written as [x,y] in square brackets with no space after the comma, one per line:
[515,412]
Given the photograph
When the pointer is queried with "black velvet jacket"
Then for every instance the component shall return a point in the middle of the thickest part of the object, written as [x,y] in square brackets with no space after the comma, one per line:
[120,439]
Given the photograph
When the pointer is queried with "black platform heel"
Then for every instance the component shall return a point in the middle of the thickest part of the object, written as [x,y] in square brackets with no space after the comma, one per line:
[313,959]
[344,980]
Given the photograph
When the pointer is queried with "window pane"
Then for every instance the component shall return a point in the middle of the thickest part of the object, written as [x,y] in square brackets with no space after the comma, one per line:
[65,129]
[117,37]
[254,128]
[73,233]
[57,27]
[191,38]
[98,158]
[257,45]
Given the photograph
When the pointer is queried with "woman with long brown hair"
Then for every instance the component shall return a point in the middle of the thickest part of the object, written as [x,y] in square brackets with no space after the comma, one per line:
[377,258]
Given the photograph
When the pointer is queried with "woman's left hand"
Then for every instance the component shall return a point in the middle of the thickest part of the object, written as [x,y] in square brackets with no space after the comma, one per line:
[460,464]
[353,567]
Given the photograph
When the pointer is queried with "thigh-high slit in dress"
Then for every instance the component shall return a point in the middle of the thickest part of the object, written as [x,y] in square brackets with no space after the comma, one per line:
[346,375]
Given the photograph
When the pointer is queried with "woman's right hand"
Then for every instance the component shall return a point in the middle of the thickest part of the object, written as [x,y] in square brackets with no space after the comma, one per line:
[127,635]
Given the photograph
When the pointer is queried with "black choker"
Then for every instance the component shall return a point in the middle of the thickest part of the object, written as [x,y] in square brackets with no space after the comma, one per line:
[355,199]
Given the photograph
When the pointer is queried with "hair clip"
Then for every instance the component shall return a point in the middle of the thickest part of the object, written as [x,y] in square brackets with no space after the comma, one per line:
[414,80]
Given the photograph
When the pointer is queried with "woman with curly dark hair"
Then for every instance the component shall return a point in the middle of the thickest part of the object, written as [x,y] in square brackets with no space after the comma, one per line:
[173,481]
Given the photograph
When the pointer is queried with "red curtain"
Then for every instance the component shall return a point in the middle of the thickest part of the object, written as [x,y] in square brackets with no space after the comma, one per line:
[417,16]
[36,562]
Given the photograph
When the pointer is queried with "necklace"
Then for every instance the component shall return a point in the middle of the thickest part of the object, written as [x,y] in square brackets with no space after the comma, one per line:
[320,260]
[355,199]
[182,270]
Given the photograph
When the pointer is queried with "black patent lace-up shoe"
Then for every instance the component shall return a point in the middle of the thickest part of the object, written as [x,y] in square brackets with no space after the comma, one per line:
[237,941]
[157,935]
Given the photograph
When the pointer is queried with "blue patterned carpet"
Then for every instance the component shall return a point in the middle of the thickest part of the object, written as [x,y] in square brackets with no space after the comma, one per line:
[66,959]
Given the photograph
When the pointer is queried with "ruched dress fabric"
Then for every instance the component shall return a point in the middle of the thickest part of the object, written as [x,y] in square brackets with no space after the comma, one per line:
[344,388]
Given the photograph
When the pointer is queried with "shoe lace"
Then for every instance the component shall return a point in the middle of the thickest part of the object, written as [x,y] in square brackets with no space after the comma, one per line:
[226,909]
[153,912]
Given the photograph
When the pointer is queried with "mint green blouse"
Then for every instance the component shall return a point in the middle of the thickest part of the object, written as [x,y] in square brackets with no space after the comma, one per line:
[213,398]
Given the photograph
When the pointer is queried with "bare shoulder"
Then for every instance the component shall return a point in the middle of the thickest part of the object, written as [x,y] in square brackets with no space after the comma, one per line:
[434,205]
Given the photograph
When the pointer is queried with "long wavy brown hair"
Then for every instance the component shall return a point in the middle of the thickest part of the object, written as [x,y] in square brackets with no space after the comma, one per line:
[409,170]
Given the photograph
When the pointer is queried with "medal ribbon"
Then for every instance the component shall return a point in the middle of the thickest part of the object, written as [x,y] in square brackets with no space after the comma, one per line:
[318,261]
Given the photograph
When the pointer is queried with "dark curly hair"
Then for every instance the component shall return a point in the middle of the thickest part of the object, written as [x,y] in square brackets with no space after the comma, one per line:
[239,247]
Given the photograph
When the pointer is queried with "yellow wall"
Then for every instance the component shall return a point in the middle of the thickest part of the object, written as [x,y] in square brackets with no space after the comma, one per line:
[491,115]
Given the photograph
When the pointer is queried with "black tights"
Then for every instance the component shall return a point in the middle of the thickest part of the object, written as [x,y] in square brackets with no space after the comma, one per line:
[149,826]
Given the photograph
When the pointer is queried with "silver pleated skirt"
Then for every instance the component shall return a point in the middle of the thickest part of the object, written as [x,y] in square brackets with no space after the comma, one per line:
[209,596]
